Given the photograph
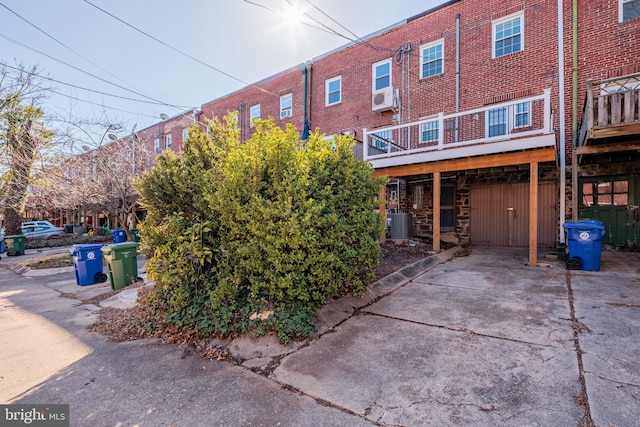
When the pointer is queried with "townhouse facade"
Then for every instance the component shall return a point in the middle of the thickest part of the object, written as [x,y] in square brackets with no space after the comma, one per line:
[495,122]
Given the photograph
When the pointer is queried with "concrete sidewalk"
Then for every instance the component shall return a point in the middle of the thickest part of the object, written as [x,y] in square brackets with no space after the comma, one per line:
[481,339]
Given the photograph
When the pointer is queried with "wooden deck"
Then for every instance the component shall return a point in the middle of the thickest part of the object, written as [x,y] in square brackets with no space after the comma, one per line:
[612,109]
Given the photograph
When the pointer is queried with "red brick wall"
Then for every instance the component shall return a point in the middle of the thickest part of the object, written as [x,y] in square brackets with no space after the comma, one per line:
[482,79]
[266,93]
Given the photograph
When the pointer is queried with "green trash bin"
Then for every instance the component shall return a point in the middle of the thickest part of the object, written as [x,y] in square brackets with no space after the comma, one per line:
[14,245]
[122,259]
[135,234]
[68,228]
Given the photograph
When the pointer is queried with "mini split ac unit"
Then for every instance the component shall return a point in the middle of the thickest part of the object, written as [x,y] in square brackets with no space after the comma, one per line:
[383,100]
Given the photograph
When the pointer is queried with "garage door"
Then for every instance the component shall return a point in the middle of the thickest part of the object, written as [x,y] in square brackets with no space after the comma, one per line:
[499,214]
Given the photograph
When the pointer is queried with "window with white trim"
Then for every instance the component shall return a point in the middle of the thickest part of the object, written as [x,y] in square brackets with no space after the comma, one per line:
[431,58]
[429,131]
[156,146]
[333,91]
[522,116]
[498,122]
[167,142]
[185,134]
[503,120]
[254,114]
[508,35]
[629,9]
[382,139]
[381,75]
[286,106]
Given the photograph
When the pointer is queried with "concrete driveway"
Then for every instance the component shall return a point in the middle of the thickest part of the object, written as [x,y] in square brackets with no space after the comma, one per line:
[486,340]
[474,340]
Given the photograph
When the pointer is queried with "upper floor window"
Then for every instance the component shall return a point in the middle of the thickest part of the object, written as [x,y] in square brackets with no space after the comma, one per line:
[156,146]
[508,35]
[333,90]
[431,57]
[185,134]
[504,120]
[286,106]
[254,114]
[168,141]
[429,131]
[522,116]
[381,75]
[629,9]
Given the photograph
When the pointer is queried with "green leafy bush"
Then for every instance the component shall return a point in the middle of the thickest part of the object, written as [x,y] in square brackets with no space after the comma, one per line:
[271,226]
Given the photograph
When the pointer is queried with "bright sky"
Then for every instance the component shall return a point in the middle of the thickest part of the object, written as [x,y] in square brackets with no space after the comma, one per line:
[246,39]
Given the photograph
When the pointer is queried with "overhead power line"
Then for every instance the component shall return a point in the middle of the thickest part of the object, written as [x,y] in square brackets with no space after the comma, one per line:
[157,101]
[177,50]
[97,91]
[65,46]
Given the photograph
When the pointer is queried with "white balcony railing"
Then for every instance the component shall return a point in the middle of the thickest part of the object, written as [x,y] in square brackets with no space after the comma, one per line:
[515,119]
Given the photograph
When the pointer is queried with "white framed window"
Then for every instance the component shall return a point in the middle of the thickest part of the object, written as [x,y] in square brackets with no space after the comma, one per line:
[522,117]
[432,59]
[508,35]
[185,134]
[497,121]
[628,9]
[333,91]
[167,142]
[429,131]
[381,75]
[286,109]
[382,139]
[254,114]
[501,121]
[156,146]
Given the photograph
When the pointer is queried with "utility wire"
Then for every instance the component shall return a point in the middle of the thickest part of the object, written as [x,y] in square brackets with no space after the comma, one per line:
[100,105]
[178,50]
[65,46]
[157,101]
[280,13]
[97,91]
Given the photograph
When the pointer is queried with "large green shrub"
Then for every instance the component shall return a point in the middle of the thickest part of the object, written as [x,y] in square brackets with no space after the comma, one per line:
[269,226]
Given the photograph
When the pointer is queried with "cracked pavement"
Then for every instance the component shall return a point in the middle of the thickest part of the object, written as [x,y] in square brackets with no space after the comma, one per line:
[474,340]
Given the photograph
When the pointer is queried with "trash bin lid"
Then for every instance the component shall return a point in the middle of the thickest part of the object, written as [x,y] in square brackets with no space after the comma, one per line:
[87,247]
[588,225]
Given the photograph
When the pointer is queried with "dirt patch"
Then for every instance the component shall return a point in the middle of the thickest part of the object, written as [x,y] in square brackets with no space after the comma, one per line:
[50,261]
[398,255]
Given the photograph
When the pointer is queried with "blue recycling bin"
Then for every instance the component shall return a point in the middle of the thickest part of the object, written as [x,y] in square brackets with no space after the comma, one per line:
[585,244]
[1,246]
[87,260]
[119,235]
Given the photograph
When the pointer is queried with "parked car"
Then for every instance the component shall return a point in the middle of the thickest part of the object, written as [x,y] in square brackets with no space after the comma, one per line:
[40,230]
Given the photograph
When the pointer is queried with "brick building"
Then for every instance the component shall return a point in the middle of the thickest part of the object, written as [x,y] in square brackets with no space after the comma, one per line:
[475,111]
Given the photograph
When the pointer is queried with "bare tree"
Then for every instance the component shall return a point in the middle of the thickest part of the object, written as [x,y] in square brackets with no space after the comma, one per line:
[23,137]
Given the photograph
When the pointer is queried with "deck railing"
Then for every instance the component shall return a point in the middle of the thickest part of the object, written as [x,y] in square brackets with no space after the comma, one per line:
[513,119]
[610,103]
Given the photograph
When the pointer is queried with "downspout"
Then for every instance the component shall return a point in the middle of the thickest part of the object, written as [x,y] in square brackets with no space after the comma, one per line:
[574,101]
[457,73]
[574,80]
[563,148]
[304,73]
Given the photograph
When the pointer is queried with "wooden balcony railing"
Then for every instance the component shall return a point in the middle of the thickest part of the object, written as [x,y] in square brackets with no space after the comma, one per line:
[612,108]
[514,119]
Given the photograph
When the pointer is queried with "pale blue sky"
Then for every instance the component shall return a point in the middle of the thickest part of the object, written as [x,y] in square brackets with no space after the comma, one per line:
[244,40]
